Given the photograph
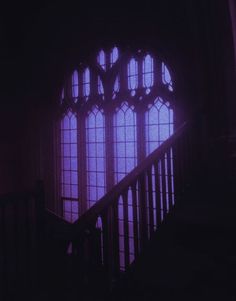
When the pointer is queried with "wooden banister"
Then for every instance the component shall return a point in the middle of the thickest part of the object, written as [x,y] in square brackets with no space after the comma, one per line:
[91,214]
[109,236]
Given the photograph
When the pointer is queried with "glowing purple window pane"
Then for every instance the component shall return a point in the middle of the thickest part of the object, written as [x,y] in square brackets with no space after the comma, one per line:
[116,85]
[73,123]
[100,150]
[66,150]
[100,164]
[66,189]
[164,115]
[125,141]
[73,150]
[100,86]
[86,82]
[73,136]
[67,177]
[66,136]
[75,84]
[158,124]
[166,78]
[101,59]
[100,191]
[74,178]
[65,124]
[74,191]
[66,164]
[75,206]
[132,74]
[114,56]
[95,153]
[67,205]
[148,71]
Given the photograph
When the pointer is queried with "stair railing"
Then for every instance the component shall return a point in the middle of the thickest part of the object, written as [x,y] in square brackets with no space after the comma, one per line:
[111,234]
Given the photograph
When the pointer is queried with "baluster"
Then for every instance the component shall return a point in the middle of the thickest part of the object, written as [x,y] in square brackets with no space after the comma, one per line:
[115,239]
[169,179]
[150,201]
[163,180]
[94,253]
[143,211]
[158,194]
[106,246]
[126,228]
[135,220]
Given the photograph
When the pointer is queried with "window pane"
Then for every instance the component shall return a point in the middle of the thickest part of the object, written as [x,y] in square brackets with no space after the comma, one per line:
[166,78]
[147,71]
[101,59]
[114,56]
[158,124]
[132,74]
[124,141]
[86,82]
[75,84]
[69,164]
[95,153]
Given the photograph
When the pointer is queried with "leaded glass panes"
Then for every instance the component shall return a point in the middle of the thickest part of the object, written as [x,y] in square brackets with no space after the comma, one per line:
[100,86]
[166,78]
[148,72]
[114,56]
[95,156]
[101,59]
[69,166]
[86,82]
[158,124]
[110,92]
[132,75]
[125,148]
[75,84]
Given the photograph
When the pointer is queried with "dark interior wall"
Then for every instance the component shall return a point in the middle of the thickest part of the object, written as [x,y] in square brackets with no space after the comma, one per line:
[42,42]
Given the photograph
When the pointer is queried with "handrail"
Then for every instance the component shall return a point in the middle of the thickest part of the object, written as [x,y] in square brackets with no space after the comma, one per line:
[111,234]
[101,205]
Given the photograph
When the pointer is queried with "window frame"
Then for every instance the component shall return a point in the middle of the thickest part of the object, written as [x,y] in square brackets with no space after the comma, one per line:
[109,102]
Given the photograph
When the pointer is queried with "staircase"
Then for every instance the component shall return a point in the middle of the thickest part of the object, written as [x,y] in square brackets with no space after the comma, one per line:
[183,246]
[99,253]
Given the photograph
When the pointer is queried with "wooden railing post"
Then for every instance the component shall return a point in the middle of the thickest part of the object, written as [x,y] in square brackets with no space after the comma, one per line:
[143,211]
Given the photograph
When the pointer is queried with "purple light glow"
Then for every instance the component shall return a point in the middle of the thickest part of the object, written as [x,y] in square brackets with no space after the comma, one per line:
[148,71]
[69,167]
[166,78]
[158,124]
[114,56]
[125,154]
[132,75]
[95,156]
[75,84]
[100,86]
[86,82]
[102,60]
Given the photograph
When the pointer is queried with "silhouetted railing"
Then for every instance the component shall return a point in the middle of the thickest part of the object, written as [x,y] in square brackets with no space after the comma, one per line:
[110,235]
[21,219]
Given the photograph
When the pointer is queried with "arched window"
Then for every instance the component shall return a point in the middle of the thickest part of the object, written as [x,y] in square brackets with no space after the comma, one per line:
[125,141]
[69,166]
[114,112]
[95,156]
